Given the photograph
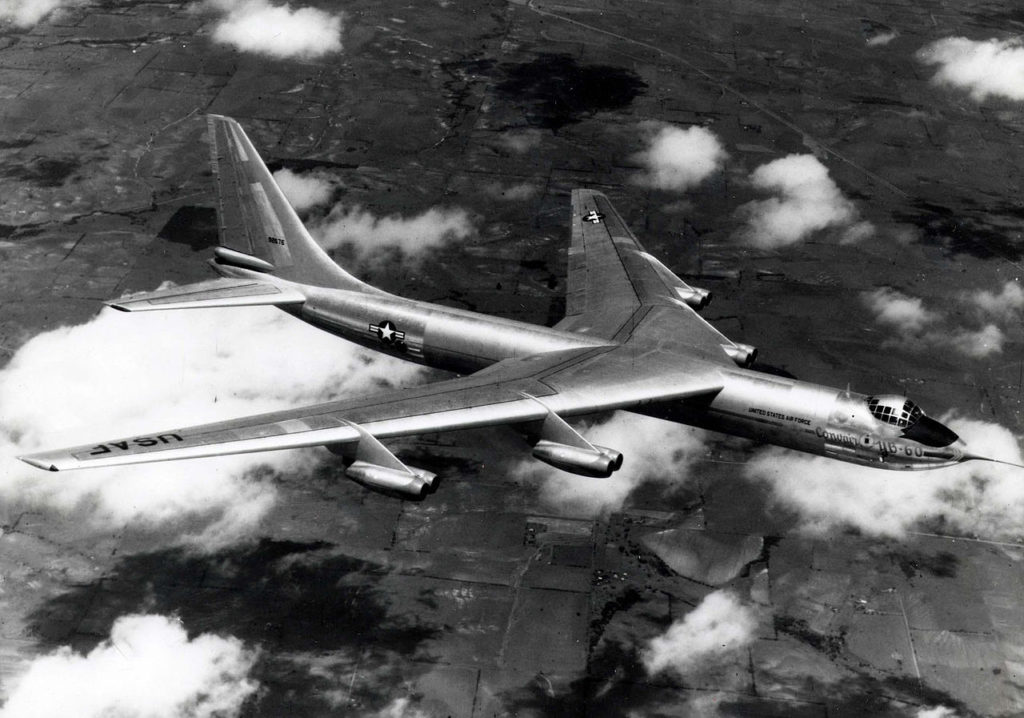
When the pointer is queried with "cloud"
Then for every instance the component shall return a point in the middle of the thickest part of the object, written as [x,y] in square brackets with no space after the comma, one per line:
[678,159]
[259,27]
[718,626]
[148,668]
[977,344]
[881,38]
[26,13]
[976,498]
[304,191]
[1006,305]
[920,329]
[807,201]
[899,310]
[983,68]
[521,141]
[936,712]
[653,451]
[125,374]
[373,237]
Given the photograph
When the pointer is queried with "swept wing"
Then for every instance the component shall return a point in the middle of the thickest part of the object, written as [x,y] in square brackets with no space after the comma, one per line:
[570,382]
[619,292]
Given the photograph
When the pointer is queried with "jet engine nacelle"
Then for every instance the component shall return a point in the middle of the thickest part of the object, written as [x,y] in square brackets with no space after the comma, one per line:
[694,296]
[598,462]
[742,354]
[235,258]
[381,477]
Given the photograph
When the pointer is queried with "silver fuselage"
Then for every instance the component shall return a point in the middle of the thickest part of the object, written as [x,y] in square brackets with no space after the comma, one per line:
[785,412]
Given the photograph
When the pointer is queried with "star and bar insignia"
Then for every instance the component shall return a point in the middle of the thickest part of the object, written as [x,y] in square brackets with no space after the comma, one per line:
[388,333]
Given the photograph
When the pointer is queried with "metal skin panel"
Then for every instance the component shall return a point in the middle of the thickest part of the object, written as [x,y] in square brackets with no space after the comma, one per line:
[443,337]
[629,342]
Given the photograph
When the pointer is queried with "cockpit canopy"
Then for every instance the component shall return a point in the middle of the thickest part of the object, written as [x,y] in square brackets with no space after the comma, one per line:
[901,412]
[896,410]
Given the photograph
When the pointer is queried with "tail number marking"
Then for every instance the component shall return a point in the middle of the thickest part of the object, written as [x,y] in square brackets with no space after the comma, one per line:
[144,441]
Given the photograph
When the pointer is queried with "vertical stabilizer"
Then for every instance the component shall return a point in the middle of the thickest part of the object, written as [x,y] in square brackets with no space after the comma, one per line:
[258,227]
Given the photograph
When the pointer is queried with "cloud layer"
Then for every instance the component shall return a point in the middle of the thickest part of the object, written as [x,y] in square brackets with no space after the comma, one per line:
[654,451]
[806,201]
[259,27]
[677,158]
[977,498]
[373,238]
[718,626]
[125,374]
[148,667]
[983,68]
[919,328]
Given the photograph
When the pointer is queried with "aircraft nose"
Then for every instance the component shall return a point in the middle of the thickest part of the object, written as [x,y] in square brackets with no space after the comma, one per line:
[932,433]
[959,450]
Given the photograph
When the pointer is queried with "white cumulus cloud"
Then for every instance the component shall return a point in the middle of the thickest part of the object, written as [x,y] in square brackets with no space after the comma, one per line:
[148,668]
[26,13]
[304,191]
[919,328]
[719,625]
[653,451]
[128,374]
[260,27]
[373,237]
[978,498]
[978,343]
[679,158]
[983,68]
[898,310]
[806,201]
[1005,304]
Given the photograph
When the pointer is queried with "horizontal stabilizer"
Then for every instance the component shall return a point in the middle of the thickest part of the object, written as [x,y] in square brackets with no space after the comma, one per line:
[215,293]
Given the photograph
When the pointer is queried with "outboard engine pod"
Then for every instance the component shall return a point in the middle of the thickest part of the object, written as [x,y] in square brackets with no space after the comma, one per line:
[597,462]
[381,477]
[226,255]
[743,354]
[694,296]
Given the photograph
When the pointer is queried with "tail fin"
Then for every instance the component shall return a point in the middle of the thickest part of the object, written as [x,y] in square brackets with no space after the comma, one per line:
[258,228]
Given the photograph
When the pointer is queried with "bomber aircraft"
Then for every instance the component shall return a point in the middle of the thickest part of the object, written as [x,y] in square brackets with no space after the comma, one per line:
[632,339]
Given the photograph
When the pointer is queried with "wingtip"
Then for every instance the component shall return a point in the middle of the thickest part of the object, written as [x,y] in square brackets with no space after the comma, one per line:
[39,463]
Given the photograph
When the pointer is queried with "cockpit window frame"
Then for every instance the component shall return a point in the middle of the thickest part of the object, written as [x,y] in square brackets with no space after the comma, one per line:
[894,410]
